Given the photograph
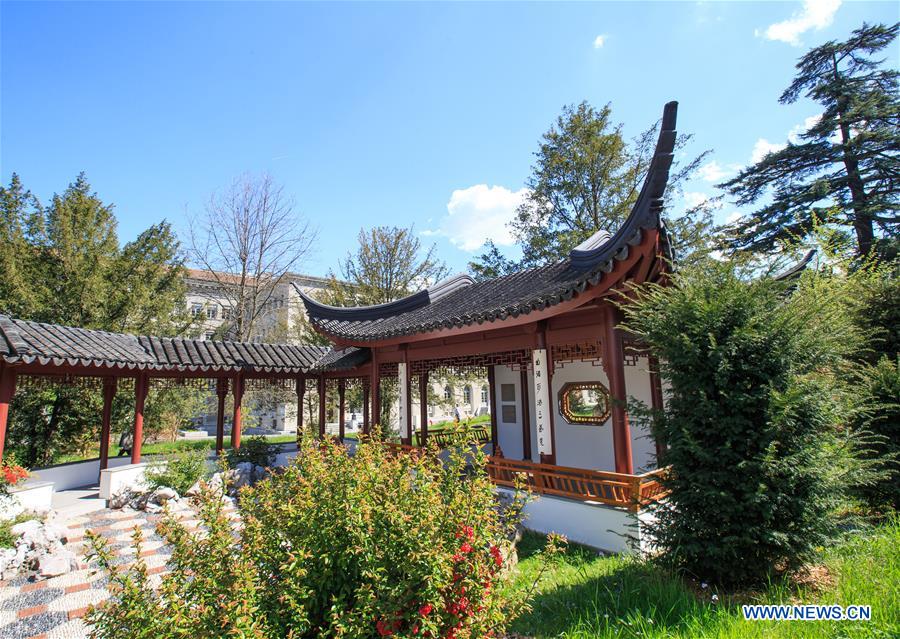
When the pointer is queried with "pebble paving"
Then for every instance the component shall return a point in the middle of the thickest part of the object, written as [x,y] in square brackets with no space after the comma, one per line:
[54,608]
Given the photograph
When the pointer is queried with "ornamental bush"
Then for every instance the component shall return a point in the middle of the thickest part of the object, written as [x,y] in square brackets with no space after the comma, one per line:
[373,545]
[180,470]
[754,421]
[257,450]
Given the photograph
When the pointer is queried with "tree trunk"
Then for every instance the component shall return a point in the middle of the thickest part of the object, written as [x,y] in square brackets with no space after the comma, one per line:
[863,225]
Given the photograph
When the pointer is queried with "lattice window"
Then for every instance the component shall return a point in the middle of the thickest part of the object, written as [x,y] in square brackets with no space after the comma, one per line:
[463,364]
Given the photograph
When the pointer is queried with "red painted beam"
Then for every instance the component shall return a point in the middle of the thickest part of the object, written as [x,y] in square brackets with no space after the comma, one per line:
[614,363]
[221,393]
[109,393]
[141,386]
[238,392]
[7,390]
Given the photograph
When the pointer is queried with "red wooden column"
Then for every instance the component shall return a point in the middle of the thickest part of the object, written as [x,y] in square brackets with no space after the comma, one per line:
[407,409]
[656,399]
[7,390]
[526,415]
[109,392]
[492,406]
[423,409]
[301,392]
[221,392]
[342,390]
[141,386]
[376,390]
[322,390]
[614,363]
[238,392]
[365,403]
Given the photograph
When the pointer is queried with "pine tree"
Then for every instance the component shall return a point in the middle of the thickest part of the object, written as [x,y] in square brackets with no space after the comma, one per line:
[845,170]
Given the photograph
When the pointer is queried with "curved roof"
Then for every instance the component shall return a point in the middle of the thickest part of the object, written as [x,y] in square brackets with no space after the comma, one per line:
[26,342]
[459,301]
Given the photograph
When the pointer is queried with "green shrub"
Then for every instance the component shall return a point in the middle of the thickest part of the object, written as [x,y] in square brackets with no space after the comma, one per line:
[357,547]
[7,540]
[752,421]
[256,450]
[878,393]
[179,470]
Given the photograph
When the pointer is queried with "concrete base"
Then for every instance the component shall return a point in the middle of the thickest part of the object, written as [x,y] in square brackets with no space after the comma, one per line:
[599,526]
[130,476]
[35,497]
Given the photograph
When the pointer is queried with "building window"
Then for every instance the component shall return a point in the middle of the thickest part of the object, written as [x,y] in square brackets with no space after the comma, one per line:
[467,395]
[212,311]
[448,394]
[196,309]
[484,394]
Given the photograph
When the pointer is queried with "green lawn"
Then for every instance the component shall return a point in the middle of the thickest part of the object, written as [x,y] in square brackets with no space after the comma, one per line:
[586,596]
[161,448]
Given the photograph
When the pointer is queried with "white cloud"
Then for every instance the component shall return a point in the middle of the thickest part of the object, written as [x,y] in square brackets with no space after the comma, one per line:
[712,172]
[694,198]
[599,41]
[479,213]
[733,217]
[798,130]
[815,14]
[762,148]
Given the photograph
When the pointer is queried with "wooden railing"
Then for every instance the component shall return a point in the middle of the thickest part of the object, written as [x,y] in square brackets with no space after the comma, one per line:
[615,489]
[451,437]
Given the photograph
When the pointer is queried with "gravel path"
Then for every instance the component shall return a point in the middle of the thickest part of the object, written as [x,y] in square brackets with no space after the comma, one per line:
[54,608]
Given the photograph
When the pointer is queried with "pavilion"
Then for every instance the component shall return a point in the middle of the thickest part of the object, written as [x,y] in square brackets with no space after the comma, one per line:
[560,371]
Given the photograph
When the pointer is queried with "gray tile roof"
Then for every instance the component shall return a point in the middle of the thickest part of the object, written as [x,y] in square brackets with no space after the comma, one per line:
[26,342]
[459,301]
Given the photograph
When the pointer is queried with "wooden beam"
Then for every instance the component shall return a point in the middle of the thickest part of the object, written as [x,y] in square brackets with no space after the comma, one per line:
[141,386]
[109,393]
[7,390]
[341,393]
[658,404]
[323,390]
[423,409]
[526,416]
[492,406]
[301,392]
[614,363]
[238,392]
[365,400]
[221,392]
[376,390]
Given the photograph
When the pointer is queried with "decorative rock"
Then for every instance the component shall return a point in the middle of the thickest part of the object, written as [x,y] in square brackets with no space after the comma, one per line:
[24,528]
[120,499]
[7,561]
[162,494]
[56,563]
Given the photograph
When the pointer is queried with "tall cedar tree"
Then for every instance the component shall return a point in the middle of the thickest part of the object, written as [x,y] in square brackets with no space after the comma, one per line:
[845,168]
[585,178]
[63,264]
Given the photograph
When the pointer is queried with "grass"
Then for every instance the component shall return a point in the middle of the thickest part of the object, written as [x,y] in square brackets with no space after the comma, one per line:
[6,537]
[586,596]
[439,426]
[164,448]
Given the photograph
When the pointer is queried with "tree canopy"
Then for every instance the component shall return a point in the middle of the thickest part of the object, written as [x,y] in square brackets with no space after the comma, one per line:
[585,178]
[844,169]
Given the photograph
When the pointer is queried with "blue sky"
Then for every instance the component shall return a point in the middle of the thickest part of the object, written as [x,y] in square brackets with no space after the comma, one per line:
[387,114]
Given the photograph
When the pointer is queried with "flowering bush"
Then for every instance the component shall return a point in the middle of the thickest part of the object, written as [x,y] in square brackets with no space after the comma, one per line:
[364,546]
[10,475]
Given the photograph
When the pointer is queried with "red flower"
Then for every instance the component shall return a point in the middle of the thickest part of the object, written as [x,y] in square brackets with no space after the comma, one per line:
[426,610]
[382,628]
[466,547]
[466,531]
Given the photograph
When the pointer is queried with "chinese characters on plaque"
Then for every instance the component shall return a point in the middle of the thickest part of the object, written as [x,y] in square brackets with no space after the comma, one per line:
[404,399]
[542,405]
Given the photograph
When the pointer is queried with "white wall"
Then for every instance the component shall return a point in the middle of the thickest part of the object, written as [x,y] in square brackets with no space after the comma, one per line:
[591,524]
[578,445]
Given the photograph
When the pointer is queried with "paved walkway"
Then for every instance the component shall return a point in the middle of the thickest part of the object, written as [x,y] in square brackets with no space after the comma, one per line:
[54,608]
